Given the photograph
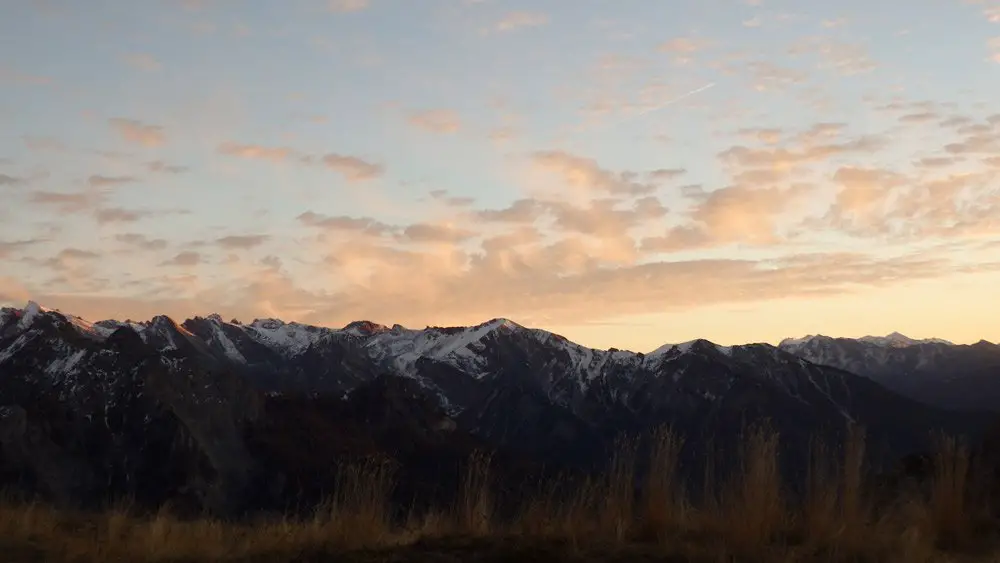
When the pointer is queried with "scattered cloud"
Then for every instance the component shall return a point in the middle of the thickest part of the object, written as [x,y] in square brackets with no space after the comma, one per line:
[348,6]
[142,242]
[426,232]
[585,175]
[344,223]
[502,134]
[137,132]
[843,58]
[64,202]
[242,242]
[186,258]
[8,180]
[255,152]
[119,215]
[77,254]
[436,121]
[562,219]
[100,181]
[520,20]
[142,61]
[10,75]
[36,143]
[352,168]
[522,211]
[9,247]
[683,45]
[158,166]
[454,201]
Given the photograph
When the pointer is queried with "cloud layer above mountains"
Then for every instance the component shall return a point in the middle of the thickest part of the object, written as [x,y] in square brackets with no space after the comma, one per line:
[448,161]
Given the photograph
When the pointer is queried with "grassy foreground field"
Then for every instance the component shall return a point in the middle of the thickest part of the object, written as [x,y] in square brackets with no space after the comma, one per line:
[750,517]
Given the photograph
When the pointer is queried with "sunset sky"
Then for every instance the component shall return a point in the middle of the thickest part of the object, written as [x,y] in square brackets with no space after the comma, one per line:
[626,173]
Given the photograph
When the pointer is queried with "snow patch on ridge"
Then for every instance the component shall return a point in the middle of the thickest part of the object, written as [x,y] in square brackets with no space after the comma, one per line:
[227,345]
[293,338]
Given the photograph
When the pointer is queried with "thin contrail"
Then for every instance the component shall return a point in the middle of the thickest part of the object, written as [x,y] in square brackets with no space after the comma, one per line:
[677,99]
[654,108]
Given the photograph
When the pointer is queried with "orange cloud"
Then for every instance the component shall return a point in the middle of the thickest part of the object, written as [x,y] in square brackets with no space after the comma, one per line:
[65,202]
[436,121]
[586,176]
[255,152]
[352,168]
[683,45]
[137,132]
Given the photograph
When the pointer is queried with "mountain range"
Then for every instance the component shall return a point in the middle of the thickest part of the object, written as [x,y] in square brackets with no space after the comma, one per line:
[228,416]
[933,371]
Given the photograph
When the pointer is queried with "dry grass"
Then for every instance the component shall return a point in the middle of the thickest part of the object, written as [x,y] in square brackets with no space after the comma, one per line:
[474,513]
[622,516]
[751,512]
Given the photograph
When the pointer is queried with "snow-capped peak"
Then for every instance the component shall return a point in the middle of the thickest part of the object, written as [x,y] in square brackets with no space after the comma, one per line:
[30,312]
[794,342]
[501,323]
[33,311]
[892,340]
[897,340]
[292,338]
[267,324]
[685,347]
[364,328]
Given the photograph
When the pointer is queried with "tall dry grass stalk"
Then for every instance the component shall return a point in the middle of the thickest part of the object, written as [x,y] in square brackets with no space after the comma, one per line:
[664,503]
[617,512]
[560,508]
[359,513]
[836,512]
[753,508]
[855,507]
[474,513]
[821,519]
[950,513]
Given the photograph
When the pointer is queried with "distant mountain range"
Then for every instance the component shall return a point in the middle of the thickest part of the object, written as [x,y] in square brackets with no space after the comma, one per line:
[933,371]
[225,415]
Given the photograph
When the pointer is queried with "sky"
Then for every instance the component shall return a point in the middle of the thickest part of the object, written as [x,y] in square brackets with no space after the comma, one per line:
[626,173]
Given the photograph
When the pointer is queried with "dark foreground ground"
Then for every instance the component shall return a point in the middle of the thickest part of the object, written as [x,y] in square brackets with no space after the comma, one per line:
[514,549]
[950,512]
